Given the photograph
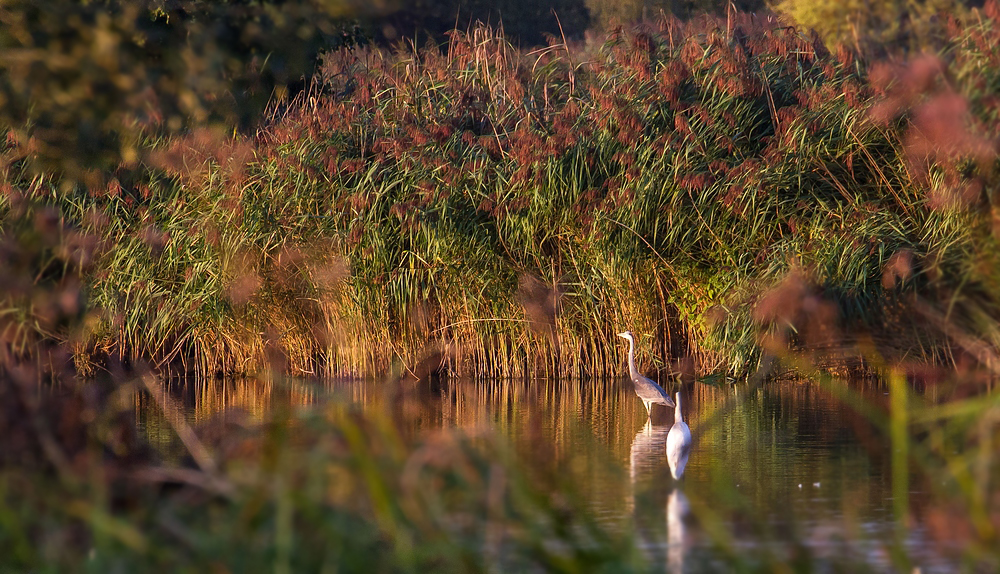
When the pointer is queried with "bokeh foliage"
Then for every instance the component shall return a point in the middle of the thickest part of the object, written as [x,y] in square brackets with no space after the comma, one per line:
[881,25]
[82,84]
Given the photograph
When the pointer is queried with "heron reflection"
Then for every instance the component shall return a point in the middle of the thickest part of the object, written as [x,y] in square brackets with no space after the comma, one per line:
[646,453]
[645,456]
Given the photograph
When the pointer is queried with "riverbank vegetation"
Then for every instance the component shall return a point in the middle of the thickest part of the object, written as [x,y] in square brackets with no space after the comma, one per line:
[507,212]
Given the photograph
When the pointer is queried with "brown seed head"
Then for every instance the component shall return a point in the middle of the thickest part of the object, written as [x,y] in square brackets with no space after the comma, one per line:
[898,269]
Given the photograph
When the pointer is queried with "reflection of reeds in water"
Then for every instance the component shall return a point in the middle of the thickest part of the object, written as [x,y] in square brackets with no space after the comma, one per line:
[254,396]
[201,402]
[548,409]
[609,407]
[551,413]
[550,416]
[744,477]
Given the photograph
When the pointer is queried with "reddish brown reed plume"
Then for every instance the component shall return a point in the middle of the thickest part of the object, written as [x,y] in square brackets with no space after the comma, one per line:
[942,133]
[540,302]
[155,238]
[244,280]
[795,306]
[191,157]
[898,269]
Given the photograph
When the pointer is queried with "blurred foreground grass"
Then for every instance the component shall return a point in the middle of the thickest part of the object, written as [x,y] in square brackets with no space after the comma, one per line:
[331,489]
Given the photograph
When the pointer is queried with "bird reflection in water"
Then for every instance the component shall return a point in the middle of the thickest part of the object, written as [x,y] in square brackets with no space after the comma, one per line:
[646,467]
[677,510]
[648,463]
[646,454]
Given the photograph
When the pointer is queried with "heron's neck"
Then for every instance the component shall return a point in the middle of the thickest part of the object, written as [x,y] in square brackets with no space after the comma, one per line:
[678,415]
[632,371]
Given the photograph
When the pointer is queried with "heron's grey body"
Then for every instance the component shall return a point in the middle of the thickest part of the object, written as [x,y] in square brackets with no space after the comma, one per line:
[648,390]
[678,443]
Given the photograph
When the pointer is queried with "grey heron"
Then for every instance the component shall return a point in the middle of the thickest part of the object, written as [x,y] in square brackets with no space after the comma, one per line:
[678,443]
[647,389]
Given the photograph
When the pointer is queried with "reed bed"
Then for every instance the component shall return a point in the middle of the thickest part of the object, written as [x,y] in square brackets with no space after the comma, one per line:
[504,213]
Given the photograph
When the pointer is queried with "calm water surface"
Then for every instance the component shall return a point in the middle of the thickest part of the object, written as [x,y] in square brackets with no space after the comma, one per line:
[783,471]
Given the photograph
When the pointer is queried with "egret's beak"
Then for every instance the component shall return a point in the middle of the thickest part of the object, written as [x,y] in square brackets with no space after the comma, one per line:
[623,334]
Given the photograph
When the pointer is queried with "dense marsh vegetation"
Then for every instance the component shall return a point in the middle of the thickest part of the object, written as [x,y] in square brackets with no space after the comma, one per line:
[733,189]
[509,212]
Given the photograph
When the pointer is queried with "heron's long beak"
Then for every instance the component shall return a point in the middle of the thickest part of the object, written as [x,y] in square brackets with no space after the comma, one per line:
[622,335]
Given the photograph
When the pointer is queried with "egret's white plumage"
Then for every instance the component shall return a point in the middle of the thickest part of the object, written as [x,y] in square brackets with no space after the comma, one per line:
[678,442]
[648,390]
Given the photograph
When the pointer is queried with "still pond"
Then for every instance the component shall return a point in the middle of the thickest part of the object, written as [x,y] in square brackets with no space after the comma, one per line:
[776,472]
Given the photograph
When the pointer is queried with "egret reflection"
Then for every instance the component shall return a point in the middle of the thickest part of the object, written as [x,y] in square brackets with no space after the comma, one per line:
[677,510]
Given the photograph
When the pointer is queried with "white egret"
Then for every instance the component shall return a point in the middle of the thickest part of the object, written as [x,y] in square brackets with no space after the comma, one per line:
[648,390]
[678,443]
